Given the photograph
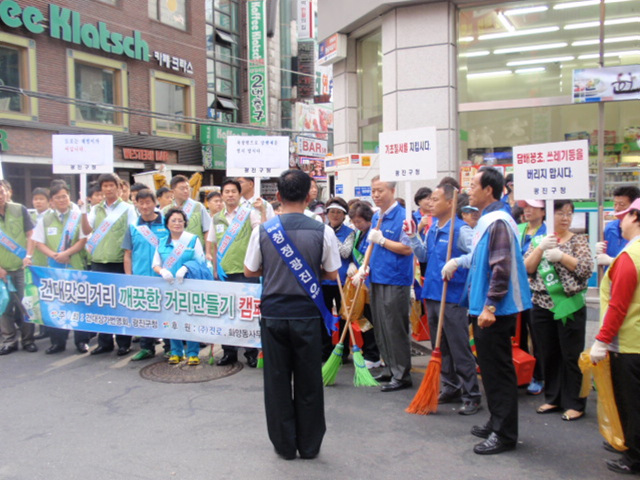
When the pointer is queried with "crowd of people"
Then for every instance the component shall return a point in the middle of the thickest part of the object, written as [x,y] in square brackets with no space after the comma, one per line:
[503,268]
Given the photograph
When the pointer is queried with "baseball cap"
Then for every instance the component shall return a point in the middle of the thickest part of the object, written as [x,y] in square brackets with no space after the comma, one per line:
[468,209]
[634,206]
[531,203]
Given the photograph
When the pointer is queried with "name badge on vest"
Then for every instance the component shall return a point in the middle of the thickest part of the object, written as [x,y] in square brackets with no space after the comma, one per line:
[220,228]
[52,231]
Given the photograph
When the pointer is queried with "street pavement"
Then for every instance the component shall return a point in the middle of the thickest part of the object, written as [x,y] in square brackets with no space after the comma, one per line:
[71,416]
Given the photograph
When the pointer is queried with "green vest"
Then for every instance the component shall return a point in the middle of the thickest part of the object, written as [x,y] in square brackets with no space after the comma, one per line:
[50,222]
[13,226]
[628,338]
[109,250]
[194,225]
[38,259]
[233,260]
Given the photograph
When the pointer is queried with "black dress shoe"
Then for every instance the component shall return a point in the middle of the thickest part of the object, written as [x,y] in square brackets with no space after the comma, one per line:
[469,408]
[382,377]
[449,398]
[482,431]
[619,466]
[284,456]
[252,362]
[395,385]
[493,445]
[100,349]
[82,347]
[226,360]
[30,347]
[7,349]
[55,349]
[122,351]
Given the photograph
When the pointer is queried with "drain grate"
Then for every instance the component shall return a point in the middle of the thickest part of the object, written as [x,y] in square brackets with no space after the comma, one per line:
[162,372]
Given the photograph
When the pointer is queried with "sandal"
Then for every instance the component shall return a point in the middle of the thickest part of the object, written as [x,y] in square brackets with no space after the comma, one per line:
[547,408]
[174,360]
[571,415]
[193,361]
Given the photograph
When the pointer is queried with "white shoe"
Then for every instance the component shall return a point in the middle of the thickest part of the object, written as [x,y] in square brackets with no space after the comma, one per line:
[369,364]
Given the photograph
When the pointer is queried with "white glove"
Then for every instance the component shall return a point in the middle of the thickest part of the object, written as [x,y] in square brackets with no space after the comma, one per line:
[449,269]
[598,351]
[601,247]
[352,270]
[359,277]
[375,236]
[410,228]
[166,274]
[603,259]
[83,207]
[554,255]
[182,271]
[548,242]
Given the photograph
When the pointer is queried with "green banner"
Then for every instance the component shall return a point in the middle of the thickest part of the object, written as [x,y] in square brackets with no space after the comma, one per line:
[214,144]
[257,46]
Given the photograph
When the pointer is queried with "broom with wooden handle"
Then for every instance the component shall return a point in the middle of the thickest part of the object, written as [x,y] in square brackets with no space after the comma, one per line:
[425,400]
[333,364]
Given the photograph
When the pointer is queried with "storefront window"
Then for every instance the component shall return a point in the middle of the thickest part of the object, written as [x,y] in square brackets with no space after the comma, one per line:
[95,84]
[523,50]
[170,98]
[369,64]
[10,76]
[169,12]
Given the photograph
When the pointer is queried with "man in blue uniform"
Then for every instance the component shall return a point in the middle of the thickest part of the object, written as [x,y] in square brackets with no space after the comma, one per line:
[613,243]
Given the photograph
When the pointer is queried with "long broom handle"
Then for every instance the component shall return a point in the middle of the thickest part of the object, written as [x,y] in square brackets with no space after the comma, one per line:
[443,298]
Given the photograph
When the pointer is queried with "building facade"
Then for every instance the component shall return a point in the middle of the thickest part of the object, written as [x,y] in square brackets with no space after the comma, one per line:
[101,67]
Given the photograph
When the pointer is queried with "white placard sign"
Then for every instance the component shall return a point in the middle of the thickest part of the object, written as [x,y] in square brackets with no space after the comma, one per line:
[555,171]
[82,153]
[259,156]
[408,155]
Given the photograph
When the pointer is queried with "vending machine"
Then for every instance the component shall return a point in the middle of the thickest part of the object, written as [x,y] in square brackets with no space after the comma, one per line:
[349,176]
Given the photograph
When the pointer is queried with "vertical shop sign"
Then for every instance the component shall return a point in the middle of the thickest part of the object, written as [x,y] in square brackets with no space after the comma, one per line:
[257,41]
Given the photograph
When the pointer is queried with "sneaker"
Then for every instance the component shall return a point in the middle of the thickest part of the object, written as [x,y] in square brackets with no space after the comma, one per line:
[174,360]
[143,355]
[535,387]
[469,408]
[371,364]
[192,361]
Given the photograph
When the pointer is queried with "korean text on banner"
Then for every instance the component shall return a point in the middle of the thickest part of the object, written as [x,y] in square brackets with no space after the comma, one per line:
[263,156]
[408,155]
[556,171]
[82,154]
[197,310]
[257,53]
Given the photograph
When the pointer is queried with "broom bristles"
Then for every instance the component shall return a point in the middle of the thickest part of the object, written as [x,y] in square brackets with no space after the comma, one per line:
[425,400]
[260,360]
[332,365]
[362,376]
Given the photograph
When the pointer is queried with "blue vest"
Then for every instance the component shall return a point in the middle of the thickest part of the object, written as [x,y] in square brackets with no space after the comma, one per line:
[613,236]
[166,248]
[518,297]
[342,234]
[525,240]
[437,243]
[389,268]
[142,251]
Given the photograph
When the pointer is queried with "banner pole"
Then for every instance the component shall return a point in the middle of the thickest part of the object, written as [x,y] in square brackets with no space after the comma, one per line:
[83,187]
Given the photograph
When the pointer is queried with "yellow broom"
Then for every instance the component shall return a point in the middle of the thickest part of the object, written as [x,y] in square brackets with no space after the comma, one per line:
[425,400]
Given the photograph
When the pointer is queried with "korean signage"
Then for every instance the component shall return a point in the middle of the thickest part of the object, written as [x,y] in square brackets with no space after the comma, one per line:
[311,147]
[145,155]
[173,62]
[82,153]
[214,144]
[314,119]
[606,84]
[257,53]
[551,170]
[332,49]
[306,65]
[263,156]
[305,20]
[197,310]
[408,155]
[313,166]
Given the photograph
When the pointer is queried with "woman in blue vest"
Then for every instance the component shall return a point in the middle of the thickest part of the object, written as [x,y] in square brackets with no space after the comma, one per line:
[336,211]
[559,268]
[180,256]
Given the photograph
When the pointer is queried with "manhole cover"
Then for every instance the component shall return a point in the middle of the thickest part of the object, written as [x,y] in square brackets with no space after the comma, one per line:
[163,372]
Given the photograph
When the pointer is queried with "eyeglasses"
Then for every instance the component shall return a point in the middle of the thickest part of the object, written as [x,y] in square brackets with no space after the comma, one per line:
[564,214]
[176,220]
